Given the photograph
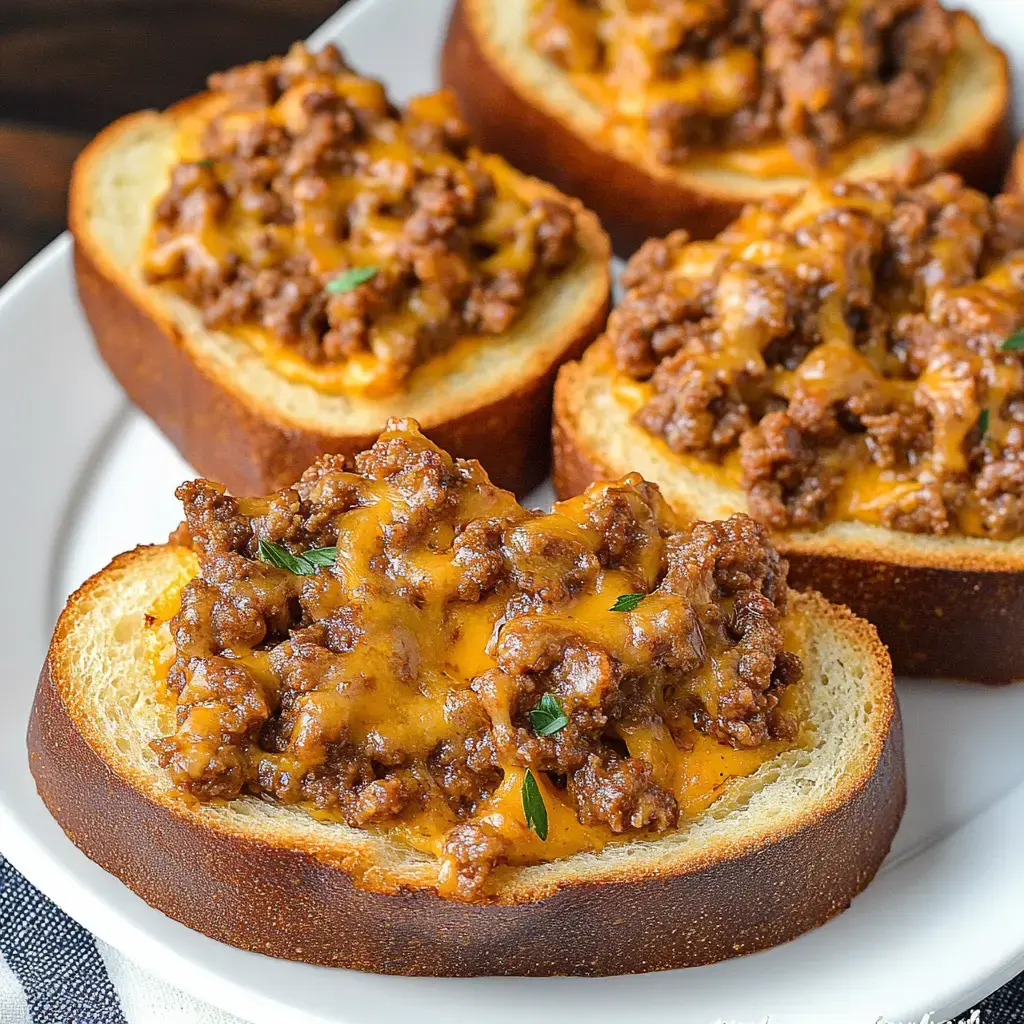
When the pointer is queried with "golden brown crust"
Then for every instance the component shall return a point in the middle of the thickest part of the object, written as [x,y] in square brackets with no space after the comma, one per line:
[948,615]
[289,903]
[252,450]
[949,623]
[635,202]
[1015,176]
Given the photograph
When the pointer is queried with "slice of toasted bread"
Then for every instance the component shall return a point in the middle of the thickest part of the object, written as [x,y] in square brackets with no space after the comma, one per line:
[236,419]
[778,853]
[945,606]
[522,106]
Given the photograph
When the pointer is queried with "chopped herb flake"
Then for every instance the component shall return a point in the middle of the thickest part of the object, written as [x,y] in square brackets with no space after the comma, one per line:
[301,565]
[349,279]
[548,717]
[626,602]
[1014,343]
[533,806]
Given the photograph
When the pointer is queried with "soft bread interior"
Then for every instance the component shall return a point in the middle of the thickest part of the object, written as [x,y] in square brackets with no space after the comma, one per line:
[99,665]
[592,406]
[966,109]
[128,167]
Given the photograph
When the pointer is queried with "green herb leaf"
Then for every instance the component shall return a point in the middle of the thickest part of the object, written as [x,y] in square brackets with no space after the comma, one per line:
[281,558]
[204,163]
[1014,343]
[300,565]
[626,602]
[533,806]
[548,717]
[983,422]
[320,556]
[349,279]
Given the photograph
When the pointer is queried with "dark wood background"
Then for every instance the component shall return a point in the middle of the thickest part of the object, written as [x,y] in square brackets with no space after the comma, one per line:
[68,67]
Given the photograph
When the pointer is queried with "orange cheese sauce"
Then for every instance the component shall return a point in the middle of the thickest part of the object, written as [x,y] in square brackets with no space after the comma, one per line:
[631,58]
[941,353]
[349,209]
[412,680]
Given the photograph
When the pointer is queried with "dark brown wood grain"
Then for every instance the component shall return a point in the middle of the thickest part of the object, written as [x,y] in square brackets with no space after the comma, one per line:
[68,67]
[35,163]
[82,63]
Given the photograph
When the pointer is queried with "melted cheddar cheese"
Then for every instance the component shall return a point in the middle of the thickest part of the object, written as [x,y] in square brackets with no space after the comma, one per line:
[282,190]
[874,320]
[729,86]
[430,660]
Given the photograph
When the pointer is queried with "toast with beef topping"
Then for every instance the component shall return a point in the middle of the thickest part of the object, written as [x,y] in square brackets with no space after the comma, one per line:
[274,267]
[388,719]
[523,75]
[847,368]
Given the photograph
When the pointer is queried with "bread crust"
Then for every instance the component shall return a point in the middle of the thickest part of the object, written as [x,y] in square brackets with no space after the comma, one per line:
[255,450]
[953,613]
[1015,176]
[297,903]
[639,201]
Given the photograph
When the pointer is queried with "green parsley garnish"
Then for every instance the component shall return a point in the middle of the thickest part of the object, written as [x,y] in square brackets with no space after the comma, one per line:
[533,806]
[1014,343]
[301,565]
[349,279]
[983,422]
[548,717]
[626,602]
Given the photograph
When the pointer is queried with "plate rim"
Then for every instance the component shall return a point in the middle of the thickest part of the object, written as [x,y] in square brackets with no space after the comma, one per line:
[28,853]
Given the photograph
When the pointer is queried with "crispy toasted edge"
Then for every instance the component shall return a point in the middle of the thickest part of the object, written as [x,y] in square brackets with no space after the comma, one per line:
[255,448]
[1015,176]
[945,607]
[300,902]
[635,200]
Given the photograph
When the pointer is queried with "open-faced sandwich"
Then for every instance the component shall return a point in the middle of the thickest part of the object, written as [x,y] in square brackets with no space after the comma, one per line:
[661,115]
[389,719]
[847,367]
[274,267]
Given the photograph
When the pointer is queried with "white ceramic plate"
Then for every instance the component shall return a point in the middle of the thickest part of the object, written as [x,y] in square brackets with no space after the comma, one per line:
[85,477]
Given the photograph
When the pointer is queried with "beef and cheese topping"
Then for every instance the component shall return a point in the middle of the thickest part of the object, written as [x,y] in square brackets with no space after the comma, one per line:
[347,240]
[400,646]
[849,355]
[711,74]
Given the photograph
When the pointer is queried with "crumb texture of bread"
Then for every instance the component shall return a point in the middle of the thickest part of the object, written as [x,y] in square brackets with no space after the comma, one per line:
[780,852]
[236,419]
[945,606]
[521,105]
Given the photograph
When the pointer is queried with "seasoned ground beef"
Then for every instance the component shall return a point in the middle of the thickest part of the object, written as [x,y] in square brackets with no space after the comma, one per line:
[849,354]
[353,233]
[378,641]
[722,73]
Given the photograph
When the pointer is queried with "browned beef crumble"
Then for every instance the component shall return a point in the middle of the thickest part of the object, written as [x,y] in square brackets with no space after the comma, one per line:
[277,673]
[305,170]
[842,355]
[722,73]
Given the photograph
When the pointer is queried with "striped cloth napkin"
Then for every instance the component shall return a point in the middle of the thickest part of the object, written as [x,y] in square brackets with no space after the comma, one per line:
[52,971]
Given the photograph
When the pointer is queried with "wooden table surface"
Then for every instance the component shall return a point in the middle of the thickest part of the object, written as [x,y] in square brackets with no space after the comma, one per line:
[68,67]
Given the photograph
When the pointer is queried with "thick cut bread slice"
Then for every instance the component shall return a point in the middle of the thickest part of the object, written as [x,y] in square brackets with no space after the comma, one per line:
[236,419]
[779,852]
[945,606]
[522,106]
